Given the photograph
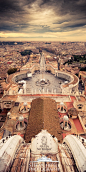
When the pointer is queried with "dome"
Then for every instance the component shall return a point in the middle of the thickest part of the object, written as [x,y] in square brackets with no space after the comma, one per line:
[21,118]
[8,152]
[65,118]
[24,107]
[25,103]
[73,111]
[61,103]
[8,114]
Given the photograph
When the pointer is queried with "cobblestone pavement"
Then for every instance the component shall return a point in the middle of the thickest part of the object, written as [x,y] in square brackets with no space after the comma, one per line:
[54,85]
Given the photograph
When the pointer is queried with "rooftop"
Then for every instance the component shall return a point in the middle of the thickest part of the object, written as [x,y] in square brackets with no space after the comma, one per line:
[43,116]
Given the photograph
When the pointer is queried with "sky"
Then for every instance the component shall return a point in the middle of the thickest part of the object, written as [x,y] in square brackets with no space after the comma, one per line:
[43,20]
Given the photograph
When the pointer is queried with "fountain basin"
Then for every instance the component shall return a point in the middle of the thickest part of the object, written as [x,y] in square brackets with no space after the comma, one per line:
[42,82]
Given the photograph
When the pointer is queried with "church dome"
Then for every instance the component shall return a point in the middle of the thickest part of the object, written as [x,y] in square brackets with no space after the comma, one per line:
[21,118]
[65,118]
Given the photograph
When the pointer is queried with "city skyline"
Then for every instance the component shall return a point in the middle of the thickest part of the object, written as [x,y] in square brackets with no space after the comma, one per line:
[42,20]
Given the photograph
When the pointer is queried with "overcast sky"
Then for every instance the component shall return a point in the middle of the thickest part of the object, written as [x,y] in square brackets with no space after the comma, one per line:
[54,20]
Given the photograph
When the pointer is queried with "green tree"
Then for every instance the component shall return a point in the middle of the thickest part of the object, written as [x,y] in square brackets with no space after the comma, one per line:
[11,70]
[26,52]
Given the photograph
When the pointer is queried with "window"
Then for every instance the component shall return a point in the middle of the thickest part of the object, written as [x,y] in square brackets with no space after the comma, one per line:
[80,106]
[20,124]
[16,103]
[65,124]
[61,108]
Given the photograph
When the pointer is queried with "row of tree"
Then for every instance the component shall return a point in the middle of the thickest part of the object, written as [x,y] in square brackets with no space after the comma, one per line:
[77,58]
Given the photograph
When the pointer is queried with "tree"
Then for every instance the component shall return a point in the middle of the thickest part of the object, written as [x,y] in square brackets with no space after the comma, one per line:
[26,52]
[83,69]
[11,70]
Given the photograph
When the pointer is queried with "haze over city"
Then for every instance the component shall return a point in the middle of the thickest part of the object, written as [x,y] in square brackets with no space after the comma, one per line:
[42,20]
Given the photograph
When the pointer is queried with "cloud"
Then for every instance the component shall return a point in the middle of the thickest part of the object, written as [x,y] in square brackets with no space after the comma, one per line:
[42,17]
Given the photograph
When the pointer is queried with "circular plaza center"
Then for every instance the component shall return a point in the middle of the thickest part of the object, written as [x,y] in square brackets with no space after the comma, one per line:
[51,84]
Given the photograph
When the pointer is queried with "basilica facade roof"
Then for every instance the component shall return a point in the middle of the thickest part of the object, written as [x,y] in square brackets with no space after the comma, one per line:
[43,116]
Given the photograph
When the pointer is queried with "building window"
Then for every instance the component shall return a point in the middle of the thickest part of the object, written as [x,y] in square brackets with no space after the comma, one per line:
[80,106]
[20,124]
[61,108]
[65,124]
